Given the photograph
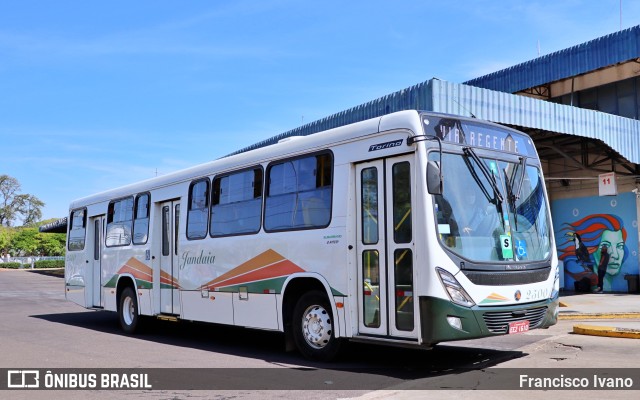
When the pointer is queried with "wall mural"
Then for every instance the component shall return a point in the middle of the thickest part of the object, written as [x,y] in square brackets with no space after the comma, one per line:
[584,227]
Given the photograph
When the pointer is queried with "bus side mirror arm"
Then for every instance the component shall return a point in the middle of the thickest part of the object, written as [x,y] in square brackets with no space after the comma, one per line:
[434,178]
[434,173]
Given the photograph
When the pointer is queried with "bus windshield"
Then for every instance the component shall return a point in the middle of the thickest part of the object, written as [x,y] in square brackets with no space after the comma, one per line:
[492,210]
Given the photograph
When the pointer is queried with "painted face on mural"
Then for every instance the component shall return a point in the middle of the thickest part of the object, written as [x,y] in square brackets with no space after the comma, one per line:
[615,243]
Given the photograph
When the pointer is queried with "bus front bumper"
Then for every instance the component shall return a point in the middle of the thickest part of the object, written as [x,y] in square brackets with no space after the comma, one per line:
[477,321]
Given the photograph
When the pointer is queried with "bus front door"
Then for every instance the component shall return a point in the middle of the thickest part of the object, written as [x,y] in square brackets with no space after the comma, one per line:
[169,284]
[385,195]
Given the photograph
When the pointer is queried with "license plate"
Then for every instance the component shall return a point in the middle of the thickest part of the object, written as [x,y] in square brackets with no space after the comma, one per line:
[518,327]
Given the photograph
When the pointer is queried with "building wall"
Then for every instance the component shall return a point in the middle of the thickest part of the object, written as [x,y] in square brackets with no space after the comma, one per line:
[577,197]
[597,219]
[572,188]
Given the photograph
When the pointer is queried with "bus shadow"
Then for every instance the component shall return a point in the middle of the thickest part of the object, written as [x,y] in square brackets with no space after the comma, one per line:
[391,364]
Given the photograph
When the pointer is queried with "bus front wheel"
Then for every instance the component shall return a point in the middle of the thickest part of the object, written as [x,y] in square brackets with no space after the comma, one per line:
[313,327]
[128,310]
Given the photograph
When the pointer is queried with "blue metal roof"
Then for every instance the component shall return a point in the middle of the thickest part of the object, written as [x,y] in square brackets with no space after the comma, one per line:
[598,53]
[621,134]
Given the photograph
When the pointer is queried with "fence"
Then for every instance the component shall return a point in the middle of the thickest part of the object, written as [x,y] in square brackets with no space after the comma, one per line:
[28,261]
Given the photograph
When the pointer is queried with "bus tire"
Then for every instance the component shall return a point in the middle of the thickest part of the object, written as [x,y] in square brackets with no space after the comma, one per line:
[313,327]
[128,310]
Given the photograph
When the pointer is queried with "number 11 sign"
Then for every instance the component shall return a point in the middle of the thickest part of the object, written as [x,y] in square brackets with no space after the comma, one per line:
[607,184]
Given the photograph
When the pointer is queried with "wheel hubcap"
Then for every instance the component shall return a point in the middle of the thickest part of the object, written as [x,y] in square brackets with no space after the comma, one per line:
[128,310]
[316,326]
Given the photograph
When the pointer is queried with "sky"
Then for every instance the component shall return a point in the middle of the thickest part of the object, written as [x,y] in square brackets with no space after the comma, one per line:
[98,94]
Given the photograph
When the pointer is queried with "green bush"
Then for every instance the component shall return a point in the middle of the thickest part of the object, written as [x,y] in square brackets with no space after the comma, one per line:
[49,264]
[12,265]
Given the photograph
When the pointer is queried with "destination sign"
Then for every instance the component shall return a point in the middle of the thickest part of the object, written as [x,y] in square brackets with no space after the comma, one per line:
[473,134]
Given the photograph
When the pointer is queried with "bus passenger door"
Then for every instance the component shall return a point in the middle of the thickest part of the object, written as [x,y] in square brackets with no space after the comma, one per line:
[384,193]
[96,261]
[372,277]
[169,285]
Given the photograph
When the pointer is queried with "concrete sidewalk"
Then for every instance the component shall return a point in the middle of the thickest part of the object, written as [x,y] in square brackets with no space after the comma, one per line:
[609,314]
[606,304]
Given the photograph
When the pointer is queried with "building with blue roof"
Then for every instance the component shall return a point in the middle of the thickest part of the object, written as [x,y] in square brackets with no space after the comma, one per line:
[581,106]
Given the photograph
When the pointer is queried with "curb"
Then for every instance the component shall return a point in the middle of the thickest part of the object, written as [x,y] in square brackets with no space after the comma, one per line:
[608,331]
[621,315]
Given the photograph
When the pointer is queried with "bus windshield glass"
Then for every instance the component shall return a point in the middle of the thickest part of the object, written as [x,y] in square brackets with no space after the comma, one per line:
[492,208]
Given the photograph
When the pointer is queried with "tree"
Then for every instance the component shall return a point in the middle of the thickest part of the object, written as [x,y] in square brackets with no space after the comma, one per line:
[51,244]
[13,204]
[8,188]
[6,235]
[28,241]
[30,207]
[25,242]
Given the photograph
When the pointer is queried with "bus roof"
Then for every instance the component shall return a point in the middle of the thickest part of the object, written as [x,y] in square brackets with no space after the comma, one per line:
[402,119]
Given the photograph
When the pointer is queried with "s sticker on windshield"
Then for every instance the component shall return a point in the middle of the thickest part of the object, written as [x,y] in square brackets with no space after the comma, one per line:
[507,247]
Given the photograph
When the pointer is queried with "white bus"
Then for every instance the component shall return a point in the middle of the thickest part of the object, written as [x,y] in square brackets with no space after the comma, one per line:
[408,229]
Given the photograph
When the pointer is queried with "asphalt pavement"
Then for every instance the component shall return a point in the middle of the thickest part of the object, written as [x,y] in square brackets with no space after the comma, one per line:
[592,314]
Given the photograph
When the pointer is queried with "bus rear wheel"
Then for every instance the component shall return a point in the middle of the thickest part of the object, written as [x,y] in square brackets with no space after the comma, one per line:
[128,310]
[313,327]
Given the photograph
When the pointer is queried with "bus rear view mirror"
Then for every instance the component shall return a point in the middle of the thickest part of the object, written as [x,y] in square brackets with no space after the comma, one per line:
[434,178]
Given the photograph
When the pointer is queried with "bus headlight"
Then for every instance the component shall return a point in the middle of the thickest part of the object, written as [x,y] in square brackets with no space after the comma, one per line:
[456,292]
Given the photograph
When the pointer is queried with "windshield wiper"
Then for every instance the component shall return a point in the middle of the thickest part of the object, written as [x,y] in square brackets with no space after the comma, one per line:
[521,165]
[512,196]
[497,196]
[474,175]
[469,152]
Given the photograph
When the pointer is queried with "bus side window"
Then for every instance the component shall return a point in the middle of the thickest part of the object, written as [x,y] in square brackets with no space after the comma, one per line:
[299,193]
[236,207]
[141,219]
[198,209]
[119,221]
[77,230]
